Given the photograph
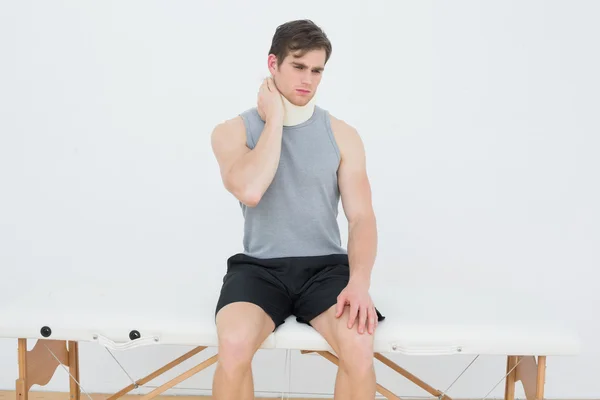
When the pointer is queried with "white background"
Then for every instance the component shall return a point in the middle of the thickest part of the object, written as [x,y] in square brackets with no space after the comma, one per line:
[480,121]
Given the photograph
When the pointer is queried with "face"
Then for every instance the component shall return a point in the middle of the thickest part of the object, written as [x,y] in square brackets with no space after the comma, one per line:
[297,78]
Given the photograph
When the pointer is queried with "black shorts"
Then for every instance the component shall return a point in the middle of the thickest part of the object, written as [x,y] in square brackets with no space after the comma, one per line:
[301,286]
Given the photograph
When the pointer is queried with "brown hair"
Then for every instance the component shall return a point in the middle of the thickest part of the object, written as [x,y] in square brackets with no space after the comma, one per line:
[299,35]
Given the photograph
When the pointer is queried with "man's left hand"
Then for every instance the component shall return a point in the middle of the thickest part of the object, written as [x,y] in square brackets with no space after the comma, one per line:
[356,296]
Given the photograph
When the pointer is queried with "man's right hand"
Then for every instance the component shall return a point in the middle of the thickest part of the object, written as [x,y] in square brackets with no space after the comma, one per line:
[270,102]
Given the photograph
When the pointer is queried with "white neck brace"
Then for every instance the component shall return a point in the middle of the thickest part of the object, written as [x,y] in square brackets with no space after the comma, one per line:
[295,115]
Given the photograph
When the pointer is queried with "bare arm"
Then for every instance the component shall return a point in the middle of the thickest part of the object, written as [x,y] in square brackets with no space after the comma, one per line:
[355,191]
[247,173]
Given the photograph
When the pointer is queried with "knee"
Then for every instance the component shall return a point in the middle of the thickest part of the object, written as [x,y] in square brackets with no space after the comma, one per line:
[235,350]
[356,354]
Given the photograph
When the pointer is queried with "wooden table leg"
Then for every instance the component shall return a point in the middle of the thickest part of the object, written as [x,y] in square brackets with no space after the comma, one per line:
[75,390]
[509,388]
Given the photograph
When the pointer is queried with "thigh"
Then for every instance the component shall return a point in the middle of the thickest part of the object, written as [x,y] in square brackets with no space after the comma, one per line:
[242,327]
[251,287]
[344,341]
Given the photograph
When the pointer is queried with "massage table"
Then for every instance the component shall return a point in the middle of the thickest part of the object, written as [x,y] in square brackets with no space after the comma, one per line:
[419,322]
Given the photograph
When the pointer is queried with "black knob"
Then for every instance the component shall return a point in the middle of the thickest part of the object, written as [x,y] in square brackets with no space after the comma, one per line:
[134,335]
[46,331]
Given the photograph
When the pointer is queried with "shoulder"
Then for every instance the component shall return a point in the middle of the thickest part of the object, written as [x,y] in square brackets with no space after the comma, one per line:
[237,124]
[341,127]
[347,137]
[232,129]
[230,126]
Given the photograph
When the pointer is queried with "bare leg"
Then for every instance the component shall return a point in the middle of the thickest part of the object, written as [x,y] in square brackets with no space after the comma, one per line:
[342,385]
[355,378]
[242,328]
[248,386]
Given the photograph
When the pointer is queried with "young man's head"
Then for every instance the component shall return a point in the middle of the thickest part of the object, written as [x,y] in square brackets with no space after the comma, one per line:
[297,58]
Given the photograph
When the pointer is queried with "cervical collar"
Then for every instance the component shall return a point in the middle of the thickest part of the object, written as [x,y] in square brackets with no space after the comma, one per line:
[295,115]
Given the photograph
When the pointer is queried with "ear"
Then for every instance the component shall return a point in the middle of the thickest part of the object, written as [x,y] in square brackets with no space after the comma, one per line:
[272,63]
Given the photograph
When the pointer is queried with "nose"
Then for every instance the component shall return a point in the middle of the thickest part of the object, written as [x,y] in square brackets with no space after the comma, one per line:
[307,78]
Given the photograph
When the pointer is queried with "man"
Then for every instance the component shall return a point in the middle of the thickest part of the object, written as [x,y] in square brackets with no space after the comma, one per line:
[288,162]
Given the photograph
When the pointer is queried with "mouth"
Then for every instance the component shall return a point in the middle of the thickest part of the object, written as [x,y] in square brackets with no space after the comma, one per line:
[302,91]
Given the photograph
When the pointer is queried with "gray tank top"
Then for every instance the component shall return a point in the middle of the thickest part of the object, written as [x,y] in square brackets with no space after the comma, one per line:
[297,215]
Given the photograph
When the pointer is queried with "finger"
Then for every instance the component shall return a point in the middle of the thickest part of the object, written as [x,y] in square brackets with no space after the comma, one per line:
[339,308]
[270,84]
[372,319]
[362,319]
[264,88]
[353,315]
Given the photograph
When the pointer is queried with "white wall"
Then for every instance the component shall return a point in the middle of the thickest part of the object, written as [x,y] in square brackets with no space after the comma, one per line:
[479,119]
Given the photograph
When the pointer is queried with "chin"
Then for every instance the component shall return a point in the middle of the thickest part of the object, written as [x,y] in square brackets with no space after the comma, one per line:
[300,101]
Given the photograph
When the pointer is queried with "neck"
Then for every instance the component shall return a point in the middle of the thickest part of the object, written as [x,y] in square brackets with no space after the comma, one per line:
[295,115]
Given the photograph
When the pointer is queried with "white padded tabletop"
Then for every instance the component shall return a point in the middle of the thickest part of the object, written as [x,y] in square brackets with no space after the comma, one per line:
[96,310]
[417,322]
[420,322]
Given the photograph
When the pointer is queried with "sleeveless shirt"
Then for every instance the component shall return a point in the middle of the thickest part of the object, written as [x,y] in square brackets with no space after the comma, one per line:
[297,215]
